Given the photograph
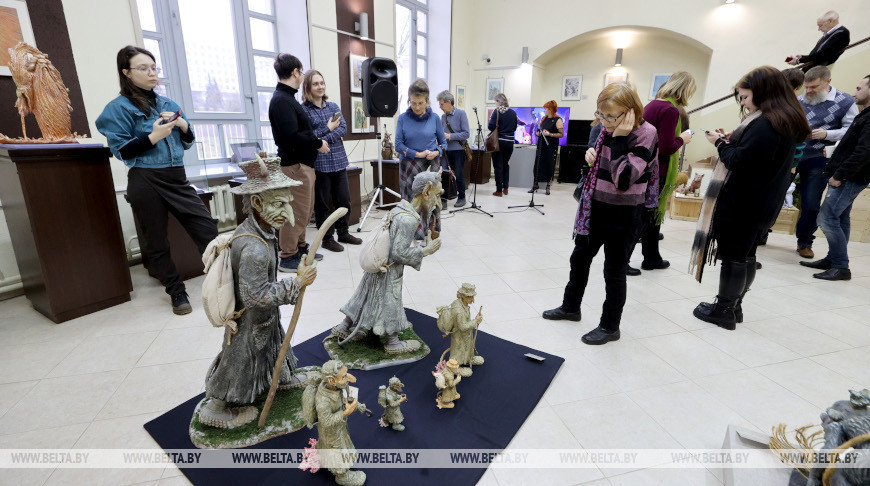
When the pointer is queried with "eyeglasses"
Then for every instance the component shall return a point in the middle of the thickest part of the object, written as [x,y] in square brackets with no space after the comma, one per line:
[147,69]
[610,119]
[418,104]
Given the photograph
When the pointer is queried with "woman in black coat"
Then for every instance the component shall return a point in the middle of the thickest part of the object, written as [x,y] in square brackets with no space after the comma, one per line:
[758,156]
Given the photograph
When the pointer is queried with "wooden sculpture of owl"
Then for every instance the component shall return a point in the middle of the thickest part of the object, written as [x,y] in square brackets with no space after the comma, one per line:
[40,90]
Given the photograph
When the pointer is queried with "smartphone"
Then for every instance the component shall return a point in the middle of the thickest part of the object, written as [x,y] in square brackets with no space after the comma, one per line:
[336,116]
[174,117]
[789,59]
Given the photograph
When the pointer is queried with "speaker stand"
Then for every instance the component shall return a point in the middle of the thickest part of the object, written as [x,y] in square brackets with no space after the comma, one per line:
[531,203]
[379,190]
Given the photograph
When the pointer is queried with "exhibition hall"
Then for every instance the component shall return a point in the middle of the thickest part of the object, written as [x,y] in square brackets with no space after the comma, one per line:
[362,242]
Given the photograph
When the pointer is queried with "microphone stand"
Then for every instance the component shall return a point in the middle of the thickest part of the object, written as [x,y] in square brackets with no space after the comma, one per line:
[534,176]
[478,140]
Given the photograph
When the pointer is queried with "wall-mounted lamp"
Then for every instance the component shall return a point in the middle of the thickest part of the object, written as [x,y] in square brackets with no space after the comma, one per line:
[729,1]
[362,27]
[618,58]
[525,55]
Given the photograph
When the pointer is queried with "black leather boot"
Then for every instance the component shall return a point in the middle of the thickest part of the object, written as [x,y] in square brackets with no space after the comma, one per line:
[751,267]
[732,281]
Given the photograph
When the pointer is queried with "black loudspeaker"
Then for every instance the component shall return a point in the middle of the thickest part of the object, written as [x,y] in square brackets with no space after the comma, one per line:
[380,87]
[571,161]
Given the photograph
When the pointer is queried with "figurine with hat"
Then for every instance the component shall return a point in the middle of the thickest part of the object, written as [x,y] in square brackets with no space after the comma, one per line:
[244,367]
[455,320]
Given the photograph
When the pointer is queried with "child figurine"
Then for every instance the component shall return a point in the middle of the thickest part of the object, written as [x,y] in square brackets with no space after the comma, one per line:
[391,398]
[446,381]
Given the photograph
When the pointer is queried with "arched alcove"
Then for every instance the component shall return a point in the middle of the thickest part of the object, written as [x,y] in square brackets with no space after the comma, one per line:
[646,51]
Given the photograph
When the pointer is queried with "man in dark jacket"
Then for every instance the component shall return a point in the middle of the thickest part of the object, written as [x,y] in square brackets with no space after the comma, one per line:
[297,147]
[834,39]
[849,173]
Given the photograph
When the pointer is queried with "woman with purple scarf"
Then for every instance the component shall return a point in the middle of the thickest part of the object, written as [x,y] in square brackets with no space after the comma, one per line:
[614,195]
[419,138]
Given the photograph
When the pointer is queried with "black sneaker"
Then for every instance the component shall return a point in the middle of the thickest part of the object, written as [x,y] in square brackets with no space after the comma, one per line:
[180,304]
[303,250]
[289,264]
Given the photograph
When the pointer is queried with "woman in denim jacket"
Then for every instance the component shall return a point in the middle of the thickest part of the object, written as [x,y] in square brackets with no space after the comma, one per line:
[144,132]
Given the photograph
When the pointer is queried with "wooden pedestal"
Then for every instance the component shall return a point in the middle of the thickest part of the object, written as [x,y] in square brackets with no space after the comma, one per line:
[477,172]
[353,175]
[686,208]
[60,207]
[391,180]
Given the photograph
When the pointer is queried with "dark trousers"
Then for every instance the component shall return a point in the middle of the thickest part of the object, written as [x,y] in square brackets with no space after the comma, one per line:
[153,194]
[617,242]
[331,187]
[812,185]
[501,164]
[456,159]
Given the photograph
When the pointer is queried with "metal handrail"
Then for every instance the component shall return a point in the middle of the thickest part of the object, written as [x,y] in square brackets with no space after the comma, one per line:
[707,105]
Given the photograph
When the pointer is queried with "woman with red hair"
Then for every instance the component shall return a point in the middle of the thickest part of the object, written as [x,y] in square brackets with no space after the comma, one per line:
[549,132]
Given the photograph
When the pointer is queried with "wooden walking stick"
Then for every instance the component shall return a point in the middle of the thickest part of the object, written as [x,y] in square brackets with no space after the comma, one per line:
[309,259]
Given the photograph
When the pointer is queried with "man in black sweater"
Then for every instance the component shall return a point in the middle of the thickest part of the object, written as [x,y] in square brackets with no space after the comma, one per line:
[834,39]
[297,147]
[849,173]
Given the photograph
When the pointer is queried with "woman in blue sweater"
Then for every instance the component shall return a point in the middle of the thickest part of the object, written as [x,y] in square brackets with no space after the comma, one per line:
[419,137]
[505,120]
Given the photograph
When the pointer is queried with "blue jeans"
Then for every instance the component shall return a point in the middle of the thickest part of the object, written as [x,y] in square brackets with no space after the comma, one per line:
[812,185]
[834,220]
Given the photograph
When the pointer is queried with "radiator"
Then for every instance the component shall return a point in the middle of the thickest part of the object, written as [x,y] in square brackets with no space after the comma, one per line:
[223,207]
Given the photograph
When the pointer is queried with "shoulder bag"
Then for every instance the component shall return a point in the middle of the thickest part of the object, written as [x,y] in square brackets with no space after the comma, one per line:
[492,139]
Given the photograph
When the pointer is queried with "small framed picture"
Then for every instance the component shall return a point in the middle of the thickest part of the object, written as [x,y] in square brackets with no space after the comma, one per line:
[460,96]
[356,73]
[494,86]
[359,120]
[489,111]
[571,86]
[658,80]
[14,28]
[615,78]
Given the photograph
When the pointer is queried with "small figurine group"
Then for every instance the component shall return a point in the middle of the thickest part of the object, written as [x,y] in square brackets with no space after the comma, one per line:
[455,321]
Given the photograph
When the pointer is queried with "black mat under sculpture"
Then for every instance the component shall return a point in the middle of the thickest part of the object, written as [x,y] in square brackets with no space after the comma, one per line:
[495,402]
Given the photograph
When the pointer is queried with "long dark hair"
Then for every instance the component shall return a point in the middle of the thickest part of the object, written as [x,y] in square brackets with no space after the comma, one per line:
[129,89]
[773,95]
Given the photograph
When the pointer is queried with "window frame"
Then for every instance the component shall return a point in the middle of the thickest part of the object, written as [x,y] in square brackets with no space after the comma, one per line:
[415,7]
[176,75]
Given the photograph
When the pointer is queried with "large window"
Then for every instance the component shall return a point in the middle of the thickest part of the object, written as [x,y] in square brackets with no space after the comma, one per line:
[412,41]
[216,58]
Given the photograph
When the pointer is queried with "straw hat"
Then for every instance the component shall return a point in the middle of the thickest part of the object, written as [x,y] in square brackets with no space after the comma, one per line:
[467,290]
[263,174]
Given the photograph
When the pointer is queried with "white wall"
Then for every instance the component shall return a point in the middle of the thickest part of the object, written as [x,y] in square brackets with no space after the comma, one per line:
[742,36]
[593,59]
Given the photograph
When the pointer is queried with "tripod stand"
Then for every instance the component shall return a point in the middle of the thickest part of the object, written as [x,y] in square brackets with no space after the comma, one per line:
[379,190]
[478,140]
[534,181]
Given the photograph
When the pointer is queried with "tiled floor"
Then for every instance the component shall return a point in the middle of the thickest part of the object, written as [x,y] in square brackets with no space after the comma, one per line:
[672,381]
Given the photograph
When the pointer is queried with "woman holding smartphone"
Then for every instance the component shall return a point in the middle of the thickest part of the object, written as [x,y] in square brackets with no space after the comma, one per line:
[148,133]
[758,156]
[330,168]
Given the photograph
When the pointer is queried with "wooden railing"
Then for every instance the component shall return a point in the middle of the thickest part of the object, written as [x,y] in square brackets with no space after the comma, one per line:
[730,96]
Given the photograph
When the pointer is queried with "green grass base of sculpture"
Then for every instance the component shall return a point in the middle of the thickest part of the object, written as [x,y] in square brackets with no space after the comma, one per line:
[369,353]
[285,417]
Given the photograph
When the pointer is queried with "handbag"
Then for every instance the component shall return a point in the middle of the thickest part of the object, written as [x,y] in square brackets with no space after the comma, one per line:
[491,144]
[463,143]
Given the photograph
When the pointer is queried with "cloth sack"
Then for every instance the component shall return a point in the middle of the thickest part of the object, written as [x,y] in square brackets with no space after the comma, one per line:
[218,289]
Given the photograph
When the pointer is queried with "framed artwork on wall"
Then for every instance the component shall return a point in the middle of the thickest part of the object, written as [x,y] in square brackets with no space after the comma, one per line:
[571,86]
[359,120]
[658,80]
[494,86]
[356,73]
[460,96]
[14,28]
[615,78]
[489,111]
